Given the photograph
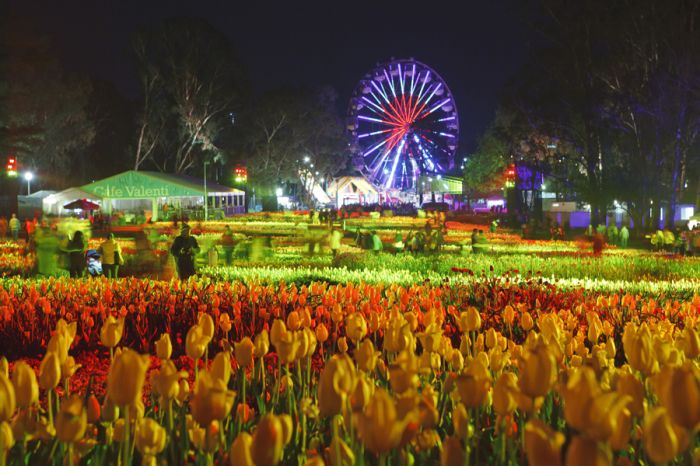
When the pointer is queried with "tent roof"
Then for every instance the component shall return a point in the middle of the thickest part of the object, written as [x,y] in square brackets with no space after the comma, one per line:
[145,184]
[360,183]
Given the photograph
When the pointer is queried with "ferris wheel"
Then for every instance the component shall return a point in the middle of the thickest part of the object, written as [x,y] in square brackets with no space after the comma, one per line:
[403,122]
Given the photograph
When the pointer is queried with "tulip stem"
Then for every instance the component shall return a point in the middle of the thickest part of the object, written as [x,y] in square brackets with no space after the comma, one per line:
[70,454]
[49,405]
[275,396]
[125,440]
[196,370]
[336,444]
[2,450]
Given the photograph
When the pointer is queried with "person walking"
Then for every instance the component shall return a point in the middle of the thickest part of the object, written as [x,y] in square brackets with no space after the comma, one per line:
[184,249]
[334,241]
[376,243]
[624,236]
[112,257]
[227,243]
[76,255]
[14,227]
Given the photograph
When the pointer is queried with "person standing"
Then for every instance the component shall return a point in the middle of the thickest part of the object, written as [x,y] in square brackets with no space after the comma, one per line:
[112,258]
[14,227]
[184,249]
[227,243]
[76,255]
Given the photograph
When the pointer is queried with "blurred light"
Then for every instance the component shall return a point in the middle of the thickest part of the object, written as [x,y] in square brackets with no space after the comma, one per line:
[29,176]
[307,159]
[279,192]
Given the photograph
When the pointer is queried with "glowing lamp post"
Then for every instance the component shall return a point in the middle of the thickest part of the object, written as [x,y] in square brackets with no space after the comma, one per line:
[29,176]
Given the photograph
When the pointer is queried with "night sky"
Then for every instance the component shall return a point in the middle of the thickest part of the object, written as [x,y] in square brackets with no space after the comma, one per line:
[475,46]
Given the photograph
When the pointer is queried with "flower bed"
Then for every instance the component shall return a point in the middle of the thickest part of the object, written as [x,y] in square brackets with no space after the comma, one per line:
[490,371]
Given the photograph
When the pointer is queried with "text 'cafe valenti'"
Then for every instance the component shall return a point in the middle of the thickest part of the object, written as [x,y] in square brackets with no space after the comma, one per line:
[151,194]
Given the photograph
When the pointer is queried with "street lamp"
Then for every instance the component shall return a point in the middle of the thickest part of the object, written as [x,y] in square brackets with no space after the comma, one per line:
[29,176]
[206,207]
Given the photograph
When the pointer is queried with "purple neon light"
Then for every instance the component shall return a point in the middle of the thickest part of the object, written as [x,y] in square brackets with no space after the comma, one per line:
[447,118]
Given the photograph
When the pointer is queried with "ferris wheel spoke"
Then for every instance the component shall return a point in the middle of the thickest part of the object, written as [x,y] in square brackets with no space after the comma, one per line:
[381,91]
[413,79]
[390,83]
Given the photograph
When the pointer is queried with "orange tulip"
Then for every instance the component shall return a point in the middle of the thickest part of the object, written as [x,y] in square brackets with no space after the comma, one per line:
[542,444]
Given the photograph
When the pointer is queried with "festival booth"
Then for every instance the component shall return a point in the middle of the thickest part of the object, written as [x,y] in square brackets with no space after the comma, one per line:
[347,190]
[155,195]
[53,204]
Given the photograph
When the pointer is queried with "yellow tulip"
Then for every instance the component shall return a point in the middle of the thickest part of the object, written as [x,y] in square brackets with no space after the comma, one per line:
[452,453]
[491,338]
[402,379]
[335,383]
[25,385]
[184,391]
[322,332]
[595,327]
[504,390]
[314,461]
[538,371]
[366,356]
[662,441]
[150,437]
[542,444]
[277,331]
[196,342]
[207,324]
[690,342]
[342,345]
[6,437]
[460,422]
[355,327]
[59,344]
[622,428]
[211,400]
[49,371]
[639,349]
[262,344]
[473,389]
[4,366]
[378,426]
[526,321]
[164,347]
[166,381]
[678,389]
[71,420]
[221,367]
[578,395]
[126,377]
[69,367]
[240,451]
[245,351]
[584,451]
[288,347]
[7,398]
[111,331]
[628,384]
[508,315]
[68,330]
[470,320]
[266,449]
[361,394]
[287,427]
[225,322]
[293,321]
